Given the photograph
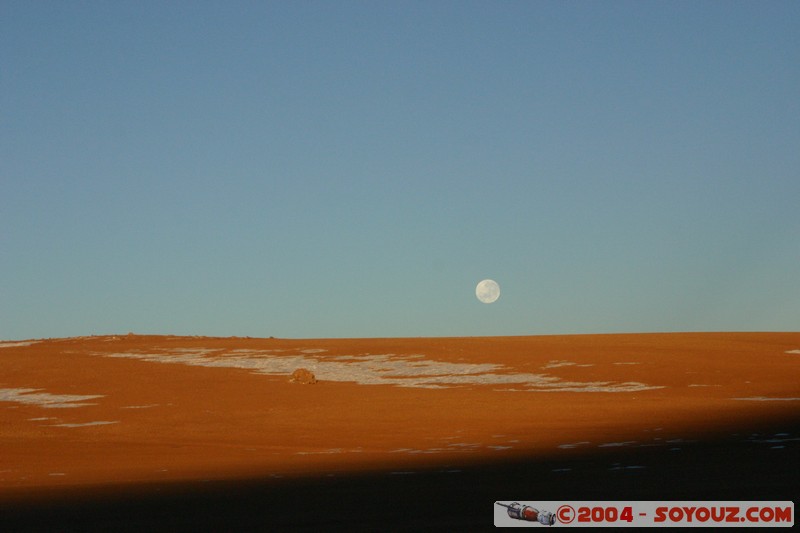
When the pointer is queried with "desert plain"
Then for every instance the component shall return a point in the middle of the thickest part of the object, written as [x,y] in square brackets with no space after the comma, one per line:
[132,431]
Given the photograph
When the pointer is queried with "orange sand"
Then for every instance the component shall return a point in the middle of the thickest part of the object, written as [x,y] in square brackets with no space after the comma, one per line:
[174,422]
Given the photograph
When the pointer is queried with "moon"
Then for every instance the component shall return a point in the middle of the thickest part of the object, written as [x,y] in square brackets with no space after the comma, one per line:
[487,291]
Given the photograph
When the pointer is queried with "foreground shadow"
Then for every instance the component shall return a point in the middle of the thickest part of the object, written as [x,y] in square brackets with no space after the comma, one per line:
[755,463]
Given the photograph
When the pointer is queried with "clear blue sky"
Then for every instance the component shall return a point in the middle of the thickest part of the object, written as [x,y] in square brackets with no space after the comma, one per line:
[338,168]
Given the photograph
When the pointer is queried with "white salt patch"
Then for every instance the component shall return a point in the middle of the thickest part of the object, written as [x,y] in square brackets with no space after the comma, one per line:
[244,351]
[435,450]
[557,364]
[41,418]
[596,386]
[765,399]
[616,444]
[196,351]
[16,344]
[380,369]
[139,406]
[326,452]
[573,445]
[85,424]
[628,363]
[429,450]
[321,452]
[794,351]
[44,399]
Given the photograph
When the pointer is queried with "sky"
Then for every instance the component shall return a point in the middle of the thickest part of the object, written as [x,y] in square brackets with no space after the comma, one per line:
[317,169]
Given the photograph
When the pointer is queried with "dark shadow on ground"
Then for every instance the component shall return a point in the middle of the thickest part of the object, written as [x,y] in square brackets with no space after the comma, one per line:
[757,463]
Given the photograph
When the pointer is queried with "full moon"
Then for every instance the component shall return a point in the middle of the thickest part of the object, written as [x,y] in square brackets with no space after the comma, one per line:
[487,291]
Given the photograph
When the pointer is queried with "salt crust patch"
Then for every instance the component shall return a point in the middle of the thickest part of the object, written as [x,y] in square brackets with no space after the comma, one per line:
[465,447]
[794,351]
[573,445]
[616,444]
[557,364]
[766,399]
[44,399]
[15,344]
[378,369]
[84,424]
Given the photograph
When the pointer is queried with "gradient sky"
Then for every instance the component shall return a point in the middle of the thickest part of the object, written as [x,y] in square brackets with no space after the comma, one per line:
[353,169]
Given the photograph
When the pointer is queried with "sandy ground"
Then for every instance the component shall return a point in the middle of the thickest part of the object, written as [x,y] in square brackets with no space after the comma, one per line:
[181,432]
